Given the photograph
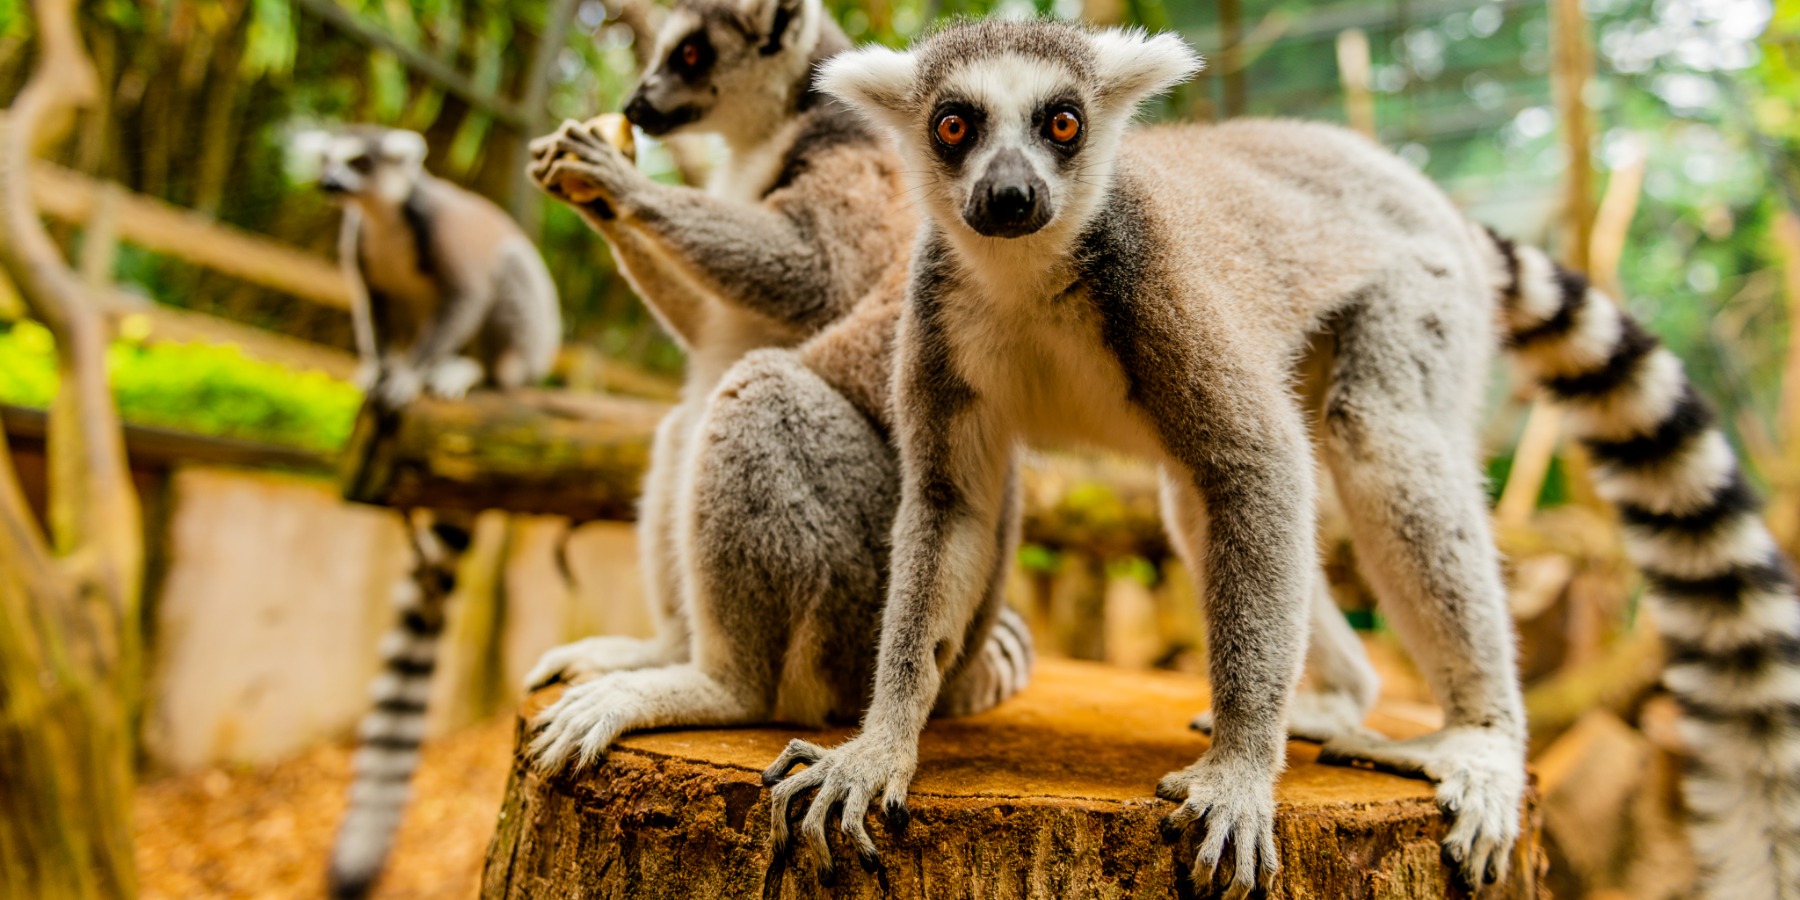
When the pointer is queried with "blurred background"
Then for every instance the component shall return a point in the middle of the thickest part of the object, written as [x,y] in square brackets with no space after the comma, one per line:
[1654,143]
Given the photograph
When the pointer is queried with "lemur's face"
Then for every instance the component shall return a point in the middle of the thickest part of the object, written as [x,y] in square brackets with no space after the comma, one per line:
[710,55]
[1011,128]
[369,163]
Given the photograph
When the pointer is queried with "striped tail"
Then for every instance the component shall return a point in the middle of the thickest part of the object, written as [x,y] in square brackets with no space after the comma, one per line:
[1000,670]
[1719,589]
[391,733]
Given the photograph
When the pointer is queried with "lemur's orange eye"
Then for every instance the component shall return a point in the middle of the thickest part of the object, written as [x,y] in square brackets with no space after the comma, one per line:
[1064,127]
[690,55]
[952,129]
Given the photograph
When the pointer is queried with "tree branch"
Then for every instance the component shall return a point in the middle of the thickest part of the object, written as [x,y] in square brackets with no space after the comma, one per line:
[444,75]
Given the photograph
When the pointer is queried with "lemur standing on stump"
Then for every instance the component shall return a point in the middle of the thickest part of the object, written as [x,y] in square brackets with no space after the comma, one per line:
[772,485]
[1150,291]
[447,294]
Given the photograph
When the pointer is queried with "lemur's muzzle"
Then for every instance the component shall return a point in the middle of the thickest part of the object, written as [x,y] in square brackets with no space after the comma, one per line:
[656,122]
[1010,200]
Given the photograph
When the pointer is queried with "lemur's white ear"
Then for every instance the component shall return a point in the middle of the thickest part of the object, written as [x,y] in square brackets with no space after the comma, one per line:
[767,14]
[311,143]
[875,80]
[1135,65]
[403,146]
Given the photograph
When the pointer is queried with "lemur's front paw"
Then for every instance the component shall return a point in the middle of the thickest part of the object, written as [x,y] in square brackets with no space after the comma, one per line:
[367,372]
[847,778]
[576,730]
[592,657]
[1233,803]
[1314,716]
[579,166]
[397,386]
[452,378]
[1480,777]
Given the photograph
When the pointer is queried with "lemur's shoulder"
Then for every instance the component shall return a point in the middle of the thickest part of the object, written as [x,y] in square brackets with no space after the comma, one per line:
[829,138]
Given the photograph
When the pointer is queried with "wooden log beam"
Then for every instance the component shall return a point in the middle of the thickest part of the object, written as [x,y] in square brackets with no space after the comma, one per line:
[1048,795]
[184,234]
[583,456]
[545,452]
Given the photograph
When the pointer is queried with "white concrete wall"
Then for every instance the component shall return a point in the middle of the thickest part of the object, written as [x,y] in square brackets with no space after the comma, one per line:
[265,628]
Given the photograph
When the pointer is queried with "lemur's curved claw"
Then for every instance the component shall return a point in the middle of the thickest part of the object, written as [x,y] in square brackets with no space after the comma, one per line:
[1229,803]
[846,779]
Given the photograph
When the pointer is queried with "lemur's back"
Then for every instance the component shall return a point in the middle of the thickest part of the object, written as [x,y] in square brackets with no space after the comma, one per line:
[1315,207]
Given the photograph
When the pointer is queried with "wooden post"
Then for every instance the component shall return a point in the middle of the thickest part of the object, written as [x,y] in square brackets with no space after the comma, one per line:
[1231,57]
[68,600]
[1353,73]
[1574,67]
[1047,795]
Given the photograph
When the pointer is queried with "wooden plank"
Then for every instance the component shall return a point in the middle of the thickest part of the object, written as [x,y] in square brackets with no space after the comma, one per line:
[150,447]
[167,229]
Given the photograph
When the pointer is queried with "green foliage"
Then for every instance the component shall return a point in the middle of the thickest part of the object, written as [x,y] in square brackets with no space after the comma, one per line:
[204,389]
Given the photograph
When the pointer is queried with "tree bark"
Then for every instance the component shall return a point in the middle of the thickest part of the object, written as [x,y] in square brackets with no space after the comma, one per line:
[1049,795]
[68,601]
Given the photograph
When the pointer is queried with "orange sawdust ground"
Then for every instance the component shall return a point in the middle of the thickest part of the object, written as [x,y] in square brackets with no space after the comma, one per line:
[266,832]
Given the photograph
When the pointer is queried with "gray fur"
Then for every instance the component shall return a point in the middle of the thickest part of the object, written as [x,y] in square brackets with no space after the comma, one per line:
[435,271]
[1140,316]
[772,489]
[1177,275]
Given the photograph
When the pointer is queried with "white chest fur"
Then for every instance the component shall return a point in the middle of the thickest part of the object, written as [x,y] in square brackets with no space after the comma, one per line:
[1044,366]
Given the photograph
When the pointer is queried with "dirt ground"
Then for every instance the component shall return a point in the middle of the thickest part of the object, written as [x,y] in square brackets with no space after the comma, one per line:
[266,832]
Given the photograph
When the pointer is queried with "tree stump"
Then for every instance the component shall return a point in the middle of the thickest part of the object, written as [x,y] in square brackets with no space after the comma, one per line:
[1048,796]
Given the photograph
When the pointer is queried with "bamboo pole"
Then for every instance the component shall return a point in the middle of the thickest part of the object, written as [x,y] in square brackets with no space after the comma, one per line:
[1574,66]
[1353,73]
[1231,57]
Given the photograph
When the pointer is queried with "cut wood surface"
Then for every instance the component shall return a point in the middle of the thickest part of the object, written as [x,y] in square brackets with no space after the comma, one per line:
[1048,795]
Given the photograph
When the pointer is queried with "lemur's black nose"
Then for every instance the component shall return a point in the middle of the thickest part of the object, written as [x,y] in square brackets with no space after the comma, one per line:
[1011,204]
[639,111]
[1010,199]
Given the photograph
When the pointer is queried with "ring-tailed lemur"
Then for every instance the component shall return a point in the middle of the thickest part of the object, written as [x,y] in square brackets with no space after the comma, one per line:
[772,485]
[1149,291]
[434,271]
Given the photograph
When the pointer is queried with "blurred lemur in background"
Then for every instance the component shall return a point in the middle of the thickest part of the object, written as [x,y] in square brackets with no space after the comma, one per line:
[447,294]
[772,486]
[1151,290]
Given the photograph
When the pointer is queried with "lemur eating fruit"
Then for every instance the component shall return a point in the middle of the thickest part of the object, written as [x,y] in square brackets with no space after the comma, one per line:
[1150,291]
[772,485]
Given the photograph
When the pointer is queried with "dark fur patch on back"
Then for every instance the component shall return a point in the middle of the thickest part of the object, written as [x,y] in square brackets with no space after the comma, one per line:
[827,126]
[417,213]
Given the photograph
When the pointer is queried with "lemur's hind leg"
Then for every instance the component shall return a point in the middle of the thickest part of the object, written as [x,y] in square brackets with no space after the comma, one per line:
[661,572]
[1399,437]
[784,525]
[1000,651]
[1341,685]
